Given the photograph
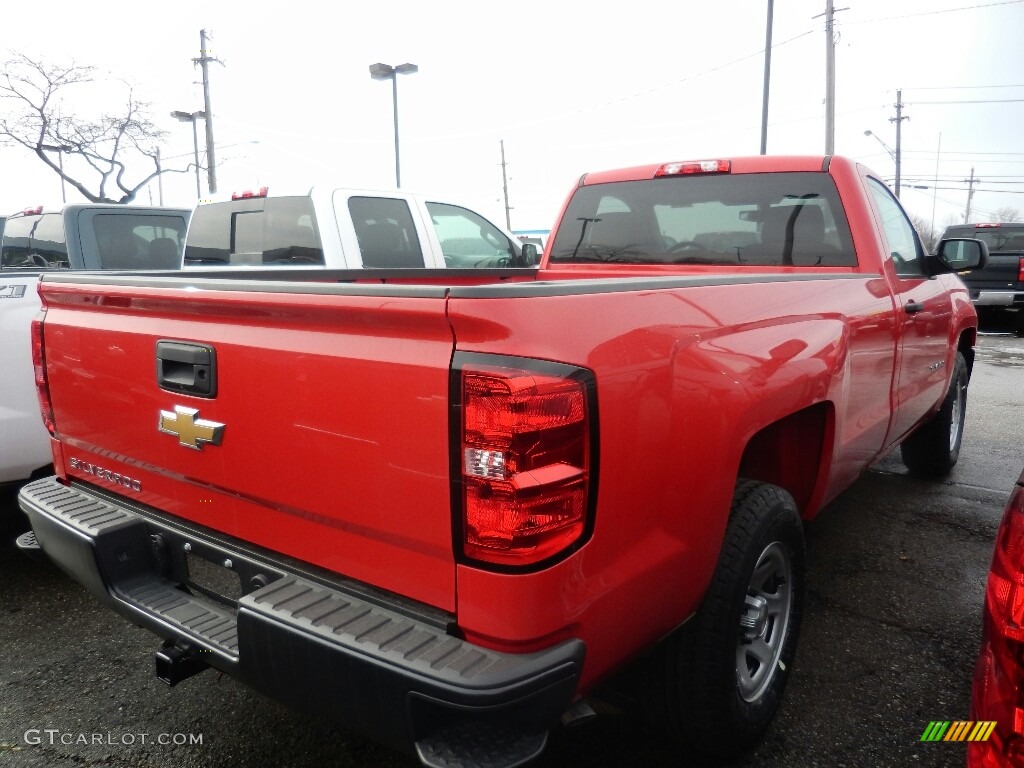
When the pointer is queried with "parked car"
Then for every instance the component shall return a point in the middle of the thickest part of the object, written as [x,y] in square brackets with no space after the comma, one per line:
[998,693]
[999,283]
[74,237]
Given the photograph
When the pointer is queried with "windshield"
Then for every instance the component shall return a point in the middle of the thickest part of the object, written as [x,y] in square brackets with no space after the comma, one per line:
[768,219]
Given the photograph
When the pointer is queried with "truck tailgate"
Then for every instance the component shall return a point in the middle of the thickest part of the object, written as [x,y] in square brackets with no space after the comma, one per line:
[1001,272]
[333,403]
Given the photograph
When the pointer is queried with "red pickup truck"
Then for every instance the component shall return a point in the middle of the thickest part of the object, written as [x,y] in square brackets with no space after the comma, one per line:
[442,506]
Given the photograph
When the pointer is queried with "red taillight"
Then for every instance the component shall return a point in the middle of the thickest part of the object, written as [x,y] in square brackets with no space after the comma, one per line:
[39,365]
[1020,270]
[694,168]
[249,194]
[1005,593]
[998,693]
[525,458]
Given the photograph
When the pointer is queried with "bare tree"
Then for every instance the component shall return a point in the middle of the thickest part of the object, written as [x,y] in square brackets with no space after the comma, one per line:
[99,150]
[1007,214]
[929,237]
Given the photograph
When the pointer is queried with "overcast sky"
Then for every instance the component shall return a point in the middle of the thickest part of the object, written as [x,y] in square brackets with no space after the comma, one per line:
[569,86]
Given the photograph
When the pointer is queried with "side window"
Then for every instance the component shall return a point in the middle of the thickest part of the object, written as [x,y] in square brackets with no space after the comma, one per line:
[36,241]
[904,246]
[17,242]
[386,232]
[468,239]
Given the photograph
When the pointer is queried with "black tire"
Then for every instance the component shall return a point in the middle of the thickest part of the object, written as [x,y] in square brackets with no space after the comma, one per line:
[1018,322]
[712,692]
[933,449]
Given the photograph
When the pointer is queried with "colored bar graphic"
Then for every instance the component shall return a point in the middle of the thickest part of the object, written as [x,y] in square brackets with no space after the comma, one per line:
[958,730]
[935,730]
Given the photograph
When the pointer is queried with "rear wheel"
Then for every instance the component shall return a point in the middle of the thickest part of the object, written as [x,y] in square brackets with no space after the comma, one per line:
[720,680]
[934,448]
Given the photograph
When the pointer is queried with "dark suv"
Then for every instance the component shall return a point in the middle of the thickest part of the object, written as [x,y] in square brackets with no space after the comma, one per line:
[1000,282]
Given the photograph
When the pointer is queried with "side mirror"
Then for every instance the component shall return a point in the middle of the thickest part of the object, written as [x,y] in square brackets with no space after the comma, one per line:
[957,255]
[530,258]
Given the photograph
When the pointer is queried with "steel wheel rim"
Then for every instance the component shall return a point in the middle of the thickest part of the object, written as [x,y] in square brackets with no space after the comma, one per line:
[764,623]
[957,418]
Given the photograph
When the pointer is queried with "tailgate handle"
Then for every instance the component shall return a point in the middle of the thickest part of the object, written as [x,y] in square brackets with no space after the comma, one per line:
[186,367]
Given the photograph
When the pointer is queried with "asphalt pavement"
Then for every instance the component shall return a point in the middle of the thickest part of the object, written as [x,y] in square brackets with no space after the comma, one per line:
[896,575]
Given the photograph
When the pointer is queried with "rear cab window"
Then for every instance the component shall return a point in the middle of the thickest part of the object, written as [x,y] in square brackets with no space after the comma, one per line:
[264,231]
[756,220]
[1000,238]
[139,241]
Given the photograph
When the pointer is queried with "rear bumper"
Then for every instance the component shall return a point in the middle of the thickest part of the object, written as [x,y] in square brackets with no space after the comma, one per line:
[996,298]
[388,670]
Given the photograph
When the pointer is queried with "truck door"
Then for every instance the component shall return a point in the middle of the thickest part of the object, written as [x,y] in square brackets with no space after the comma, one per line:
[924,313]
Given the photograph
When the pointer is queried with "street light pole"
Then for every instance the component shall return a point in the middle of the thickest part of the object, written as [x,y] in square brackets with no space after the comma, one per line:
[893,153]
[191,117]
[387,72]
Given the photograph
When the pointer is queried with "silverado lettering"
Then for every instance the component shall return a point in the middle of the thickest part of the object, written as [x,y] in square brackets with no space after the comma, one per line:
[105,474]
[493,491]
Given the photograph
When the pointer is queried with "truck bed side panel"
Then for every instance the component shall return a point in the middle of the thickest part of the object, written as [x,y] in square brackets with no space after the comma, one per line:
[685,377]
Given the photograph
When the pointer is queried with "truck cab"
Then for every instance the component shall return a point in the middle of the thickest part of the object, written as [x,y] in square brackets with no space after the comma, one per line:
[334,228]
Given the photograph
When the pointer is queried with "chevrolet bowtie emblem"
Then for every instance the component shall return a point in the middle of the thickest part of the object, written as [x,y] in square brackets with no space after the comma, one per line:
[190,431]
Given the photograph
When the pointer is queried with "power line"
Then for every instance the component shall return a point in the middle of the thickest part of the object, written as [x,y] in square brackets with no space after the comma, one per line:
[958,87]
[962,152]
[969,101]
[935,13]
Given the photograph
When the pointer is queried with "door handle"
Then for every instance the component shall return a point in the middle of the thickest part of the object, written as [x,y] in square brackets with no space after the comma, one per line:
[913,307]
[186,367]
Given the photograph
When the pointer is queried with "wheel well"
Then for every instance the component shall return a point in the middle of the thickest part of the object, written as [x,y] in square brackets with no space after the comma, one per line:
[965,346]
[790,452]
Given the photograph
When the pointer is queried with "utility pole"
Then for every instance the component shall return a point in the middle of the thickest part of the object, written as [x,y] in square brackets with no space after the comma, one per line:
[504,186]
[204,62]
[970,195]
[830,76]
[767,78]
[830,81]
[900,117]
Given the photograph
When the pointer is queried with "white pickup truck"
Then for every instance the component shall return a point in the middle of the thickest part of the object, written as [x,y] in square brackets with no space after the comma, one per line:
[328,227]
[38,240]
